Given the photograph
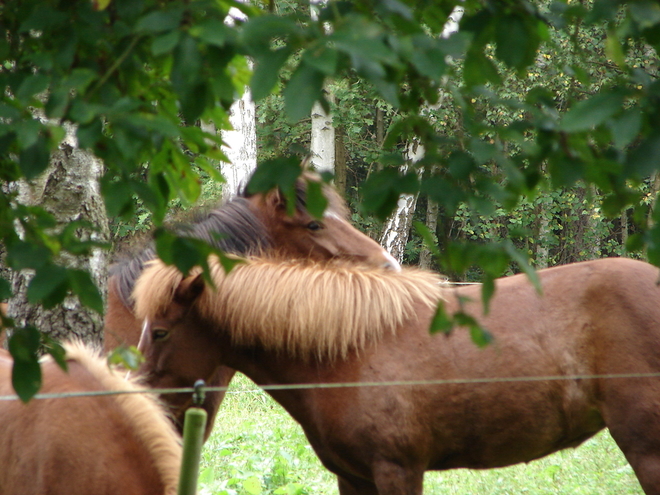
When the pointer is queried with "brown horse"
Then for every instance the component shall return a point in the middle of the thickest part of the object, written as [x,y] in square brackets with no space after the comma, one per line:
[256,224]
[78,446]
[302,324]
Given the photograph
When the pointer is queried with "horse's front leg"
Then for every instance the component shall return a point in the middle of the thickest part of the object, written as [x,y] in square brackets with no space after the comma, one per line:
[355,486]
[394,479]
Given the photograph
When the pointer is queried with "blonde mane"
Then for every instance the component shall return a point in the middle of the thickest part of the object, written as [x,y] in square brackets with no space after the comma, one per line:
[299,307]
[144,413]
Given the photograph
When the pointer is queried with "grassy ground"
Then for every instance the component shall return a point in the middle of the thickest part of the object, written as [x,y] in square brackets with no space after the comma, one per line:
[256,448]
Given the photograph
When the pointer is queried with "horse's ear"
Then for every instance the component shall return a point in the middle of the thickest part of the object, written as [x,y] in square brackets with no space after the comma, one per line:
[275,199]
[189,289]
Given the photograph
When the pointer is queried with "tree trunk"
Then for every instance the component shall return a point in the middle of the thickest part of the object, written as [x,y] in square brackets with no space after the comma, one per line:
[240,142]
[240,145]
[432,211]
[69,191]
[322,145]
[397,228]
[653,194]
[323,139]
[341,165]
[592,219]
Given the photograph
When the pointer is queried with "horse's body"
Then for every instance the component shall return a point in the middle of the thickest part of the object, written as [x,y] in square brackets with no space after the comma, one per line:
[79,446]
[594,318]
[246,225]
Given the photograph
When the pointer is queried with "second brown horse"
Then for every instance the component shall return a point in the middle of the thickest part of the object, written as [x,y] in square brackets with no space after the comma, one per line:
[247,225]
[564,364]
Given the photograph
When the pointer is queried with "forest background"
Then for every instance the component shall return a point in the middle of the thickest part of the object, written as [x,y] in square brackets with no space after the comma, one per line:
[529,137]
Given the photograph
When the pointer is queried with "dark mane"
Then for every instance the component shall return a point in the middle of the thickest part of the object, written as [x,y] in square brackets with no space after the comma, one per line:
[231,227]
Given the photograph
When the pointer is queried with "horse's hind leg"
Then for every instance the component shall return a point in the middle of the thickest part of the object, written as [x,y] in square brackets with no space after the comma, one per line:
[636,431]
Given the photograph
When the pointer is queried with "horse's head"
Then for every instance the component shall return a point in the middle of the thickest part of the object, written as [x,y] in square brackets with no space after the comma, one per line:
[174,357]
[300,235]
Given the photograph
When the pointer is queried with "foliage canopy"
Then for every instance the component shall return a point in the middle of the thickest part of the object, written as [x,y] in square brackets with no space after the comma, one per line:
[135,76]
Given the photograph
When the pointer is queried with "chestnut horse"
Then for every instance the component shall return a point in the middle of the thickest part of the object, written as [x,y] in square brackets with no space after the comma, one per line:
[542,385]
[256,224]
[82,445]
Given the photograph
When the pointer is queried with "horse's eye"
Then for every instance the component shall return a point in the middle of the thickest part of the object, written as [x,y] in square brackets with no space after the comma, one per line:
[314,226]
[159,334]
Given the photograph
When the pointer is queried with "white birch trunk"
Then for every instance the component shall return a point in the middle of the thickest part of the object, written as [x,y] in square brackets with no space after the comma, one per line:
[323,140]
[397,227]
[240,145]
[240,142]
[69,190]
[322,144]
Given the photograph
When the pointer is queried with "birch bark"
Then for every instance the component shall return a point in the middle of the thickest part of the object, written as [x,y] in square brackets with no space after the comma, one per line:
[396,230]
[69,190]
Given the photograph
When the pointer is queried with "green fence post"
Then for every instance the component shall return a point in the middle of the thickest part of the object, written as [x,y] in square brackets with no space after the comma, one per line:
[193,438]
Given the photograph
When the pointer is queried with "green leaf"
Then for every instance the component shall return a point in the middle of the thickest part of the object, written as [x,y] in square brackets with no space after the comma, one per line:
[26,373]
[441,321]
[276,173]
[128,357]
[5,289]
[228,263]
[56,350]
[517,41]
[90,134]
[487,291]
[187,64]
[57,103]
[382,189]
[479,69]
[159,21]
[428,57]
[22,255]
[165,43]
[614,50]
[322,58]
[643,160]
[316,200]
[32,85]
[645,13]
[523,263]
[252,485]
[587,114]
[118,198]
[49,286]
[213,31]
[35,159]
[625,127]
[84,287]
[429,239]
[302,90]
[267,72]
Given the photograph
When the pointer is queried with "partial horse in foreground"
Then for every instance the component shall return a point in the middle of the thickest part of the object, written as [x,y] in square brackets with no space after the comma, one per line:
[544,384]
[114,444]
[247,225]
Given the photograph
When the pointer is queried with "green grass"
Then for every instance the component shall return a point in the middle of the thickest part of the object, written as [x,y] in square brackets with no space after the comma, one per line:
[256,448]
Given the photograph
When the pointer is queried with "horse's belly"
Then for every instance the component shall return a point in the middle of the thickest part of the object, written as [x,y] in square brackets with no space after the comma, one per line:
[513,425]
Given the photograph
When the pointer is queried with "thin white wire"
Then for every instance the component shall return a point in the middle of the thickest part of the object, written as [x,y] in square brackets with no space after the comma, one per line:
[310,386]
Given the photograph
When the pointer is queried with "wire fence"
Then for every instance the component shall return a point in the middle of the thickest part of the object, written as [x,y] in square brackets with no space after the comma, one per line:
[336,385]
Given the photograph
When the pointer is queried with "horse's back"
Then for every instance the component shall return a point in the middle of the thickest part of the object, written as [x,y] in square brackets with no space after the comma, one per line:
[75,445]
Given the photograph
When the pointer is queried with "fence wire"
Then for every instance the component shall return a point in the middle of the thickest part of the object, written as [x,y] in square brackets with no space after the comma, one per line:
[335,385]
